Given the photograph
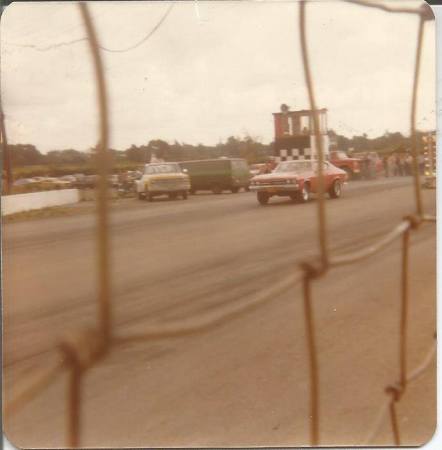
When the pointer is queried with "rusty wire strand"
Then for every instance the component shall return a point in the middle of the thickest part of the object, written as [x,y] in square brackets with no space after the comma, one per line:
[101,47]
[73,395]
[414,375]
[384,7]
[394,422]
[372,249]
[404,310]
[313,361]
[209,321]
[103,170]
[34,386]
[414,152]
[322,229]
[403,229]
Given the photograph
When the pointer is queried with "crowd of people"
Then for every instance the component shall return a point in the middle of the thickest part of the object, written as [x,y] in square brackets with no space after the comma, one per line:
[390,165]
[401,164]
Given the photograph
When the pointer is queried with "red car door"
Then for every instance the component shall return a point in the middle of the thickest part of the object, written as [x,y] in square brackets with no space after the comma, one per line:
[327,173]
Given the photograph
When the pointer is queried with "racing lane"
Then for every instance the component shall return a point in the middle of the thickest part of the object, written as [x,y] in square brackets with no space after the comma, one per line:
[244,383]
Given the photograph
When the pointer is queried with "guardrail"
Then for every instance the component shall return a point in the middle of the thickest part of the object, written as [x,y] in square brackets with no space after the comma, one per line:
[16,203]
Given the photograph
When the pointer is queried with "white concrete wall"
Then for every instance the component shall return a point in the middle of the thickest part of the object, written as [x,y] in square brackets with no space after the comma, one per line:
[36,200]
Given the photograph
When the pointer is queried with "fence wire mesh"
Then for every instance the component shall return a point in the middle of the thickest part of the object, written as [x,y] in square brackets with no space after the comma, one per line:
[84,349]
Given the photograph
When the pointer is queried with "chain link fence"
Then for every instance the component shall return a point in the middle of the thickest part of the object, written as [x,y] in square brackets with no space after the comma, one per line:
[87,347]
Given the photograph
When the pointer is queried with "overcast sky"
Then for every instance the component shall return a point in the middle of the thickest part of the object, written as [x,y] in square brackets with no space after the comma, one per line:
[211,70]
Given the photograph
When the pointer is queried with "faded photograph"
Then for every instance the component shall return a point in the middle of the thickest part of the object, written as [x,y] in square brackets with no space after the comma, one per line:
[218,223]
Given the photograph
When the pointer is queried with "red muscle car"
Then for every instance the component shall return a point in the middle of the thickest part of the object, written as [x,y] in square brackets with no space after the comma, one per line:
[351,165]
[298,180]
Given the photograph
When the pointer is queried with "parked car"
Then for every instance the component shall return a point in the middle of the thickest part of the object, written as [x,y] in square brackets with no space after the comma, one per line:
[163,179]
[218,175]
[351,165]
[68,178]
[23,181]
[113,181]
[298,180]
[86,181]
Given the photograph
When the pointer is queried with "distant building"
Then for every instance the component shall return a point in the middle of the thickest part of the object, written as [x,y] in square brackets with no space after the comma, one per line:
[294,134]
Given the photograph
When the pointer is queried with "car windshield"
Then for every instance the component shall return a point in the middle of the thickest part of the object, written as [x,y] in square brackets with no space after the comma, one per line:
[293,166]
[162,168]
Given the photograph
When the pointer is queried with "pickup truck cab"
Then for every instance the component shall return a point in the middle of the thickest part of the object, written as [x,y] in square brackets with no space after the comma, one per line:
[352,166]
[166,178]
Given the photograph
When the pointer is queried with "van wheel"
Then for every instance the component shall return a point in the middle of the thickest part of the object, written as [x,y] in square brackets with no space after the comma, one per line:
[150,197]
[193,191]
[172,196]
[217,189]
[263,198]
[184,195]
[235,190]
[336,189]
[141,196]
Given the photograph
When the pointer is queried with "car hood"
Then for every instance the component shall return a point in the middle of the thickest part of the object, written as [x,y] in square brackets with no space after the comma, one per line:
[275,176]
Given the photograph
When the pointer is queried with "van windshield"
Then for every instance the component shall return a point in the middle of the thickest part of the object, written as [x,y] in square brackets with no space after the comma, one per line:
[162,168]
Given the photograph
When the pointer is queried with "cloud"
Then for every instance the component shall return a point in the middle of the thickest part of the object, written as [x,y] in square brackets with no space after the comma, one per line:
[206,76]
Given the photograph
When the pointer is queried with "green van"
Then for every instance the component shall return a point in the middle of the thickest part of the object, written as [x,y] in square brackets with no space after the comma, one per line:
[218,175]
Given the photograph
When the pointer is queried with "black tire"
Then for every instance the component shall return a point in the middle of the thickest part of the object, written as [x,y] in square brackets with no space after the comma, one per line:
[235,190]
[294,197]
[247,188]
[172,195]
[141,196]
[193,191]
[184,195]
[263,197]
[217,189]
[149,197]
[336,189]
[304,195]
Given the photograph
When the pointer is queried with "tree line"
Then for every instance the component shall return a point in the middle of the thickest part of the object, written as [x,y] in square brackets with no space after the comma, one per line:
[248,148]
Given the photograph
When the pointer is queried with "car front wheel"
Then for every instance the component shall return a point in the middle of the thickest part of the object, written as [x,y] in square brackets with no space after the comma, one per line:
[336,189]
[263,198]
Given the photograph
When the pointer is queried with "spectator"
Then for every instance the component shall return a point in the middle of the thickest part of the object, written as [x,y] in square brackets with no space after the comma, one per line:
[386,166]
[392,168]
[365,169]
[409,164]
[372,159]
[401,162]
